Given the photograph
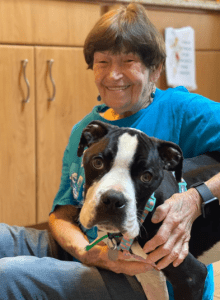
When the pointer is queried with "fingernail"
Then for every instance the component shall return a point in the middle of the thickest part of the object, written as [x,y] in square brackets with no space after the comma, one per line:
[155,217]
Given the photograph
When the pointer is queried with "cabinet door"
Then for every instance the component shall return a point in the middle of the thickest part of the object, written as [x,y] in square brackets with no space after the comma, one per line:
[51,22]
[76,95]
[17,137]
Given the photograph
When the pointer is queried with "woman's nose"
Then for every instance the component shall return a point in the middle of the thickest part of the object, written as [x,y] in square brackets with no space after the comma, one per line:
[115,72]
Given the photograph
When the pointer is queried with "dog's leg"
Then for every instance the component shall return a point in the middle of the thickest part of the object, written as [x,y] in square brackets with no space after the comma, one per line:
[153,282]
[187,279]
[154,285]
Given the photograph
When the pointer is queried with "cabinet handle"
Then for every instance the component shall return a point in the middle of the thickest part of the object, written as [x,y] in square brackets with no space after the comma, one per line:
[50,62]
[24,64]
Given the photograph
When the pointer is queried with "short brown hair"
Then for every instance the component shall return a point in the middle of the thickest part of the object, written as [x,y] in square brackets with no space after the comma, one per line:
[126,29]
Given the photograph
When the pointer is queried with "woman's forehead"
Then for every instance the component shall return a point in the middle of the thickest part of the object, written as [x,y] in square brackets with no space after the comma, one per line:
[118,53]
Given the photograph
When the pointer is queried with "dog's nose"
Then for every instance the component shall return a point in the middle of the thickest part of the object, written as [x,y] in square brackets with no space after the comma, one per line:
[113,199]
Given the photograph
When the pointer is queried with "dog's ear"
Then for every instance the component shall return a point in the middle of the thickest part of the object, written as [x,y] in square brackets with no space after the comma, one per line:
[172,157]
[91,134]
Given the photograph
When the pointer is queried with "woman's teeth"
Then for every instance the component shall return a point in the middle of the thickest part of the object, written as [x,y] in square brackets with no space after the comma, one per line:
[118,88]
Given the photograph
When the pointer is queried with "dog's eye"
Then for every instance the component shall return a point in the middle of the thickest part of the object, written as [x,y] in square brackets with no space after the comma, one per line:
[97,163]
[146,177]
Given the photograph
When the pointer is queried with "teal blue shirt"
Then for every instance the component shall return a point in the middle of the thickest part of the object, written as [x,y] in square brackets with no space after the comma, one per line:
[189,120]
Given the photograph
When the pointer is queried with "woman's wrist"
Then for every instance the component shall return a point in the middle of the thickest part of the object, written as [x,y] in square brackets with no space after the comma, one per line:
[210,203]
[197,199]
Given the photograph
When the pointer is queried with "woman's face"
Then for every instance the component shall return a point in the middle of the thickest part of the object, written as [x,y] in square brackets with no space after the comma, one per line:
[122,80]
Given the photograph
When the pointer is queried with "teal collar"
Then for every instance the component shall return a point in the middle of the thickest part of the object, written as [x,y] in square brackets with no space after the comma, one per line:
[126,243]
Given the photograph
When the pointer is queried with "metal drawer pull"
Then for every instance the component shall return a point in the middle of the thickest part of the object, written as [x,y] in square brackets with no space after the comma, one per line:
[50,62]
[24,64]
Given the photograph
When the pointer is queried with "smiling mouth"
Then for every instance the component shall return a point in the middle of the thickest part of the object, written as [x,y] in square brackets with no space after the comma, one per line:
[118,88]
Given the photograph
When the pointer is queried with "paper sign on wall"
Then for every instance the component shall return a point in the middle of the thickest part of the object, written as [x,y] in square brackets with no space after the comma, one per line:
[180,62]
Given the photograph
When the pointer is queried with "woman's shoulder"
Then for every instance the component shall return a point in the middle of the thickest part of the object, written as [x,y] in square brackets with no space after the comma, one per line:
[93,115]
[171,95]
[181,97]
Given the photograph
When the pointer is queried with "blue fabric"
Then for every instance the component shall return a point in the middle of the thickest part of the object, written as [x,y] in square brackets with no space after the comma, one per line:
[189,120]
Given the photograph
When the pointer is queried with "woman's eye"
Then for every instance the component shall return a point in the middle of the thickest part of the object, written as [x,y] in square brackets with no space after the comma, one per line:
[100,61]
[146,177]
[98,163]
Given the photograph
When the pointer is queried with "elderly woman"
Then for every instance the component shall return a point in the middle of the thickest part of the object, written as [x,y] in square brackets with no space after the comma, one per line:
[127,55]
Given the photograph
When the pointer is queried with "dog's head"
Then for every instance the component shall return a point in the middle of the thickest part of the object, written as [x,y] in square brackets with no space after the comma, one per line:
[123,167]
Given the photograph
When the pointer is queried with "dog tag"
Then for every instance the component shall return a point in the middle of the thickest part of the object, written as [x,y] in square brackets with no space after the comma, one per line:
[113,254]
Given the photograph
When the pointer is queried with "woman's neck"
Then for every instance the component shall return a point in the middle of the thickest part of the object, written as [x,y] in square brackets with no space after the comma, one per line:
[111,115]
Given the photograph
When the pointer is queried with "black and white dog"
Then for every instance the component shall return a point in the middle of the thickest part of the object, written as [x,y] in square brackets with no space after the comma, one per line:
[123,167]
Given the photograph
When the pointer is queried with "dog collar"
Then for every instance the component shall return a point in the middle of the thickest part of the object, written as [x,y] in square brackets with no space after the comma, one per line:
[126,243]
[182,186]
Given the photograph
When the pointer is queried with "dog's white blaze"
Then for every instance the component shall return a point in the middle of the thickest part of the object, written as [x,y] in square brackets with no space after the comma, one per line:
[119,179]
[211,256]
[127,146]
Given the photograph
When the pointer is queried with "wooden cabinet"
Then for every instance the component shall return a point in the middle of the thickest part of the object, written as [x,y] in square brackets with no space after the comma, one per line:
[76,95]
[34,135]
[17,137]
[46,22]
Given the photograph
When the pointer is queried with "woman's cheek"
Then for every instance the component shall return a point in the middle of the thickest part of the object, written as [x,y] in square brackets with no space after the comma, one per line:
[98,73]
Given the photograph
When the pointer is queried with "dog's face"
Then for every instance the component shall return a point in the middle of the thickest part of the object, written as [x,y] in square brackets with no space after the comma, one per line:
[123,167]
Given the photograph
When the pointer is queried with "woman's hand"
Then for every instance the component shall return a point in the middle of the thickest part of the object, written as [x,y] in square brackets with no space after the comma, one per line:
[98,257]
[171,243]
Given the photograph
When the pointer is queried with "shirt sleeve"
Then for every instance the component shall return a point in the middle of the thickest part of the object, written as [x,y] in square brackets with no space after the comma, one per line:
[200,130]
[72,179]
[71,190]
[64,195]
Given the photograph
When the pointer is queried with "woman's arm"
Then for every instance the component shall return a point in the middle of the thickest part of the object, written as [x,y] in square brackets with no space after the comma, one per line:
[214,185]
[66,232]
[171,243]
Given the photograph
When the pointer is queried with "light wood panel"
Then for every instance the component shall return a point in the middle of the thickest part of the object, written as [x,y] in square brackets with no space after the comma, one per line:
[17,136]
[206,25]
[217,280]
[207,75]
[207,44]
[75,97]
[49,22]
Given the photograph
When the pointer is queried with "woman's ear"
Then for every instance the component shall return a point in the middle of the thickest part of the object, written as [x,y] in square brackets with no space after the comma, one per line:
[155,74]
